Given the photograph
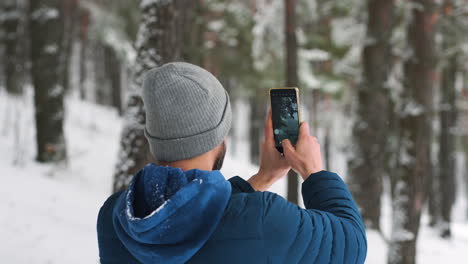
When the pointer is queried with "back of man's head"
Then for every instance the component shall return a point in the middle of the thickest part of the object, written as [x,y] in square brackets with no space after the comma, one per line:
[188,112]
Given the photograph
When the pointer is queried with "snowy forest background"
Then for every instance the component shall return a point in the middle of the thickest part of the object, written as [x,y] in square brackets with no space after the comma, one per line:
[384,85]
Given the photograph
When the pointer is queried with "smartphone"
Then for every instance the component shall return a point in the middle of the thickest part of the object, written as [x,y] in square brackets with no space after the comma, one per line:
[285,115]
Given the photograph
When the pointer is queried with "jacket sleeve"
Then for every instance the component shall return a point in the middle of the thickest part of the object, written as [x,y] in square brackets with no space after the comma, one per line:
[329,230]
[239,185]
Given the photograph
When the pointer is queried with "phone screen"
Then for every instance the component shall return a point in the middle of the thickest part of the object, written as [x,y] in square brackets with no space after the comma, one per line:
[285,115]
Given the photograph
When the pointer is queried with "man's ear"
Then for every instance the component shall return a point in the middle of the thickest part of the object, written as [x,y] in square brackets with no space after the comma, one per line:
[220,148]
[225,143]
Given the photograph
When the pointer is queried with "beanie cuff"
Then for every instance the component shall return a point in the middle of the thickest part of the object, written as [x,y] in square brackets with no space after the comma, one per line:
[182,148]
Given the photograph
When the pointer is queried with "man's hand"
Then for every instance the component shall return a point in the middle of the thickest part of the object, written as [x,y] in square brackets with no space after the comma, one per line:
[273,165]
[305,158]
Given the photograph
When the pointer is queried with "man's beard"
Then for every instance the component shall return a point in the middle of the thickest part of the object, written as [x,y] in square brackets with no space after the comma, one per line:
[218,164]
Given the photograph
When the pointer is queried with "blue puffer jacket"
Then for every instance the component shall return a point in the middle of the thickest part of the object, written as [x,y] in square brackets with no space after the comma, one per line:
[171,216]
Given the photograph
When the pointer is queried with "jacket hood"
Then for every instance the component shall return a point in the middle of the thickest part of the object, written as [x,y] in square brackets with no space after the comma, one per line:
[167,214]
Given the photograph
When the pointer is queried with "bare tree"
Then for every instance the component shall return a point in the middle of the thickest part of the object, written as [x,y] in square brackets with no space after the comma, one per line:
[443,186]
[113,69]
[84,15]
[370,130]
[464,125]
[415,133]
[46,30]
[256,122]
[71,17]
[292,79]
[163,36]
[448,119]
[464,140]
[13,24]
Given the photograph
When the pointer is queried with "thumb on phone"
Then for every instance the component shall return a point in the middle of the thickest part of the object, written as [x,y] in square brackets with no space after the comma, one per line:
[288,149]
[304,130]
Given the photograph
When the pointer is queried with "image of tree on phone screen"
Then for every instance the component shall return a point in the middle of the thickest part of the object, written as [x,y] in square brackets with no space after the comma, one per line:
[286,126]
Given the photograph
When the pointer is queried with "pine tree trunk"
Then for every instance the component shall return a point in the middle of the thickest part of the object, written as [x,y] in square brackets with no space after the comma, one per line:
[415,134]
[292,79]
[465,150]
[46,24]
[433,197]
[83,36]
[163,36]
[315,99]
[14,43]
[113,72]
[228,85]
[70,14]
[102,88]
[448,118]
[370,130]
[445,188]
[327,148]
[464,130]
[257,122]
[2,58]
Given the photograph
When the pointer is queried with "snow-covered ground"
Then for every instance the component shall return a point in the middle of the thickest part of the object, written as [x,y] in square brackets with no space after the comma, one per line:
[49,213]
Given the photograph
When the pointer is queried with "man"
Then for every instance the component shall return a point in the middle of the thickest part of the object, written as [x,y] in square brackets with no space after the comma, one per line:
[184,211]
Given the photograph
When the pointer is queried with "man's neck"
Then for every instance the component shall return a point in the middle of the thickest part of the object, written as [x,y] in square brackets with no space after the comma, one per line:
[185,165]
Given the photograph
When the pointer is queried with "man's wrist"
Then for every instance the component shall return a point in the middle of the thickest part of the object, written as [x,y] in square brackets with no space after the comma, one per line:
[307,172]
[260,181]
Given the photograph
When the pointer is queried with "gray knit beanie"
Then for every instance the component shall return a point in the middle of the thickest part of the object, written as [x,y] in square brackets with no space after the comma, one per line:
[187,111]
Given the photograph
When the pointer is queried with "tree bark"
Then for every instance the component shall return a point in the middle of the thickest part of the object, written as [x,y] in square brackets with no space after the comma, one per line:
[464,140]
[370,130]
[415,133]
[15,49]
[70,14]
[444,190]
[102,89]
[113,72]
[257,122]
[464,124]
[448,121]
[46,24]
[292,79]
[433,197]
[83,36]
[327,147]
[163,36]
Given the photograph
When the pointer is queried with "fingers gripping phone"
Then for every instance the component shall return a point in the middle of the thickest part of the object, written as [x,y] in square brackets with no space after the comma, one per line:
[285,115]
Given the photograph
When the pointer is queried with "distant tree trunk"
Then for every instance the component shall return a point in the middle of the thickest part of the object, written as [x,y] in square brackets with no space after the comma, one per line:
[415,133]
[444,190]
[465,150]
[448,121]
[83,36]
[315,100]
[15,49]
[257,122]
[433,197]
[102,88]
[464,124]
[2,58]
[70,14]
[14,71]
[113,72]
[327,147]
[46,30]
[228,84]
[292,79]
[370,137]
[163,36]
